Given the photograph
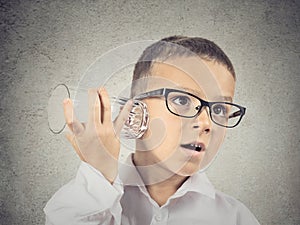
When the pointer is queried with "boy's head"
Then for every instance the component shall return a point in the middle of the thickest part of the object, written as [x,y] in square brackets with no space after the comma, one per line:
[178,46]
[190,86]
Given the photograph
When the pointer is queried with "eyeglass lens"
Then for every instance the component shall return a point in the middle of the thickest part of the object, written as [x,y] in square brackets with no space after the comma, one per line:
[183,104]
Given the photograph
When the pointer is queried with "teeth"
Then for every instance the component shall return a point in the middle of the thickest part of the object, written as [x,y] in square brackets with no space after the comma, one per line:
[194,147]
[197,146]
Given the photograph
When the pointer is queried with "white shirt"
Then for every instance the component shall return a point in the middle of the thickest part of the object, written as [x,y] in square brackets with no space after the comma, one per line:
[90,199]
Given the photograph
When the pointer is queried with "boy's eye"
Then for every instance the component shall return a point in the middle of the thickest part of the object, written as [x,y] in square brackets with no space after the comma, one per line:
[219,110]
[181,100]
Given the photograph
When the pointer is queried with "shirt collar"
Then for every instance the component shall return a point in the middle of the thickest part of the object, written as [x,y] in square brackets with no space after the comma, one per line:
[129,174]
[198,183]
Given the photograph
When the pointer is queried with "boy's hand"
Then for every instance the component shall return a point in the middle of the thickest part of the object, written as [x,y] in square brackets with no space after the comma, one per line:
[97,141]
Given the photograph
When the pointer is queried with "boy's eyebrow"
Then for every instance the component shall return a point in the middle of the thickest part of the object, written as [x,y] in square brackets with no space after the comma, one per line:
[192,91]
[225,98]
[197,93]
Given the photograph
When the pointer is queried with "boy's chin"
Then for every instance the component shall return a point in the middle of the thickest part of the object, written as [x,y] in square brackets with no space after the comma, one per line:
[188,169]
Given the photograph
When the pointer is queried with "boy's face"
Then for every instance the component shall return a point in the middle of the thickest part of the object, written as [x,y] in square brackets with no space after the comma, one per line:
[170,140]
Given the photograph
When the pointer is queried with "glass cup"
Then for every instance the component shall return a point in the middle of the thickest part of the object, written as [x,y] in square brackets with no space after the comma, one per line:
[134,127]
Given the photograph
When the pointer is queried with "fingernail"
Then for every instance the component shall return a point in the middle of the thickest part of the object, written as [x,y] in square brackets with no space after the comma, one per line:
[66,100]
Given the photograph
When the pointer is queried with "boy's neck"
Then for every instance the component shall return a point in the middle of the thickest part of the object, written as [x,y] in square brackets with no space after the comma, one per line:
[159,190]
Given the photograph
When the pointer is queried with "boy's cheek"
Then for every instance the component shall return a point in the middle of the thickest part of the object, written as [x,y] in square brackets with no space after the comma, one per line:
[162,126]
[161,131]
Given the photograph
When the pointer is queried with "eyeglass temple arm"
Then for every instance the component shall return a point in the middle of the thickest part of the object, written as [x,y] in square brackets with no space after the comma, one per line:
[237,113]
[159,92]
[120,100]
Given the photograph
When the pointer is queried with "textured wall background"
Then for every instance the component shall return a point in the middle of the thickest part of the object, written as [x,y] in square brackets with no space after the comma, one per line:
[44,43]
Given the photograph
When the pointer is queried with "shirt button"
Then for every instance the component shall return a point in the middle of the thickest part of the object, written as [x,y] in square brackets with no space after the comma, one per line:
[158,217]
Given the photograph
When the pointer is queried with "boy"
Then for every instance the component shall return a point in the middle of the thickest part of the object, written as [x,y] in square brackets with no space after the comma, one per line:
[187,85]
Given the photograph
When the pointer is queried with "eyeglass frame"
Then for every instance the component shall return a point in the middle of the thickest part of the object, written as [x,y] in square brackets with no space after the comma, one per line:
[164,92]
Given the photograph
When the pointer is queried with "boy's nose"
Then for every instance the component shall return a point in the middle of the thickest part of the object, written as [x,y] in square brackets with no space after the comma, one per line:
[202,122]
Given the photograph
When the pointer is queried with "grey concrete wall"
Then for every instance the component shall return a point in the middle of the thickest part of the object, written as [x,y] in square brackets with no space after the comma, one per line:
[44,43]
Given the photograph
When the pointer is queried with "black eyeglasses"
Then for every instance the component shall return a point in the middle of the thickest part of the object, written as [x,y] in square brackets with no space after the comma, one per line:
[184,104]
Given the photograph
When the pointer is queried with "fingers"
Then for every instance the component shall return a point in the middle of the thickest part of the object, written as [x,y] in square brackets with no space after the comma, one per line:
[99,107]
[105,106]
[99,112]
[94,107]
[122,117]
[72,140]
[74,125]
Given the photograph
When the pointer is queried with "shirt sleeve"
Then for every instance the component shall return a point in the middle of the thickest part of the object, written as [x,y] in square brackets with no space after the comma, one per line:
[87,200]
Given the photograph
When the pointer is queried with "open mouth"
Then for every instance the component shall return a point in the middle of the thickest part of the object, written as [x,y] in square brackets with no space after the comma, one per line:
[194,146]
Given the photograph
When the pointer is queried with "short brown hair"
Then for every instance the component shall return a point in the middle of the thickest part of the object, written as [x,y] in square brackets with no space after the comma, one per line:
[179,46]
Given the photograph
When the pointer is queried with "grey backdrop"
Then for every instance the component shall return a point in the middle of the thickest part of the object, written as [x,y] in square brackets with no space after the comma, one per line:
[44,43]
